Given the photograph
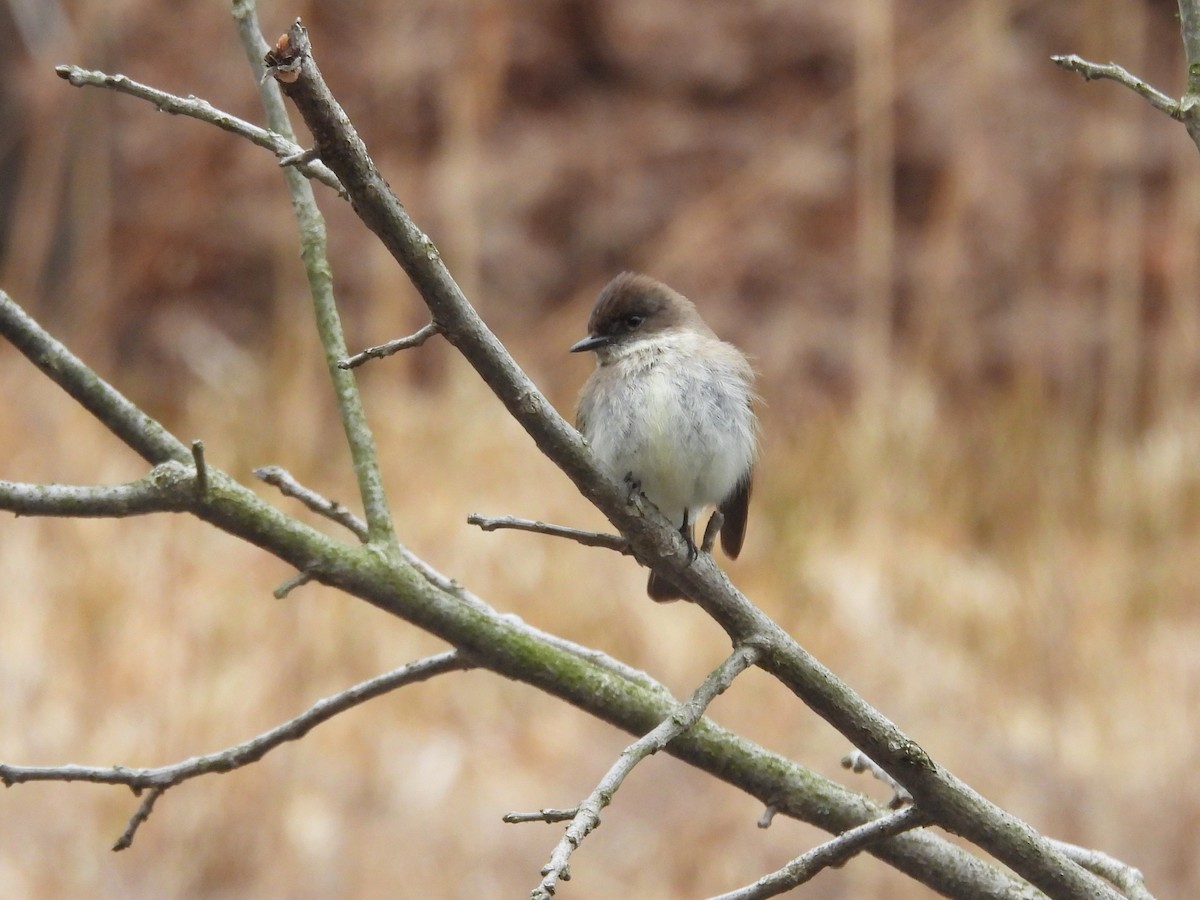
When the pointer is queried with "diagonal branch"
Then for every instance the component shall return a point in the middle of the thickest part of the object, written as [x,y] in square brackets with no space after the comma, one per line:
[1185,110]
[202,110]
[330,509]
[381,351]
[1129,879]
[313,250]
[949,801]
[404,586]
[587,816]
[1093,71]
[1189,26]
[829,855]
[147,437]
[160,779]
[140,815]
[385,577]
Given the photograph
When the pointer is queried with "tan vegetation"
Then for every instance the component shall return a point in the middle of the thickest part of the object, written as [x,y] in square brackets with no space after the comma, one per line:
[984,515]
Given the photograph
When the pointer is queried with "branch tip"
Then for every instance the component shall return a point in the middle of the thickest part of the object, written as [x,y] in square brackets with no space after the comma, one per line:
[125,841]
[416,339]
[156,781]
[859,762]
[1091,71]
[201,469]
[279,477]
[297,580]
[682,718]
[831,854]
[542,815]
[587,538]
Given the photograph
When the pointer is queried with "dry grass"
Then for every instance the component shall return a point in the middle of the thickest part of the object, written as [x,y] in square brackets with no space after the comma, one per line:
[997,542]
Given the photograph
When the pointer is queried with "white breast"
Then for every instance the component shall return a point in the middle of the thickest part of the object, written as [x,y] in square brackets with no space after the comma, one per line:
[674,411]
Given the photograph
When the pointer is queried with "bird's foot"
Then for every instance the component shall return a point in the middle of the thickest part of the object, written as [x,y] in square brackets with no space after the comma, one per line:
[634,486]
[685,531]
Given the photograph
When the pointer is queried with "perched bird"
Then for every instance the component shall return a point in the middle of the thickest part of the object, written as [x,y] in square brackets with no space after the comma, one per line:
[668,408]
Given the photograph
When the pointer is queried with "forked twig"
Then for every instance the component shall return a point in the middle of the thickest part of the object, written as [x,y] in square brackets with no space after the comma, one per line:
[160,779]
[830,854]
[416,339]
[587,816]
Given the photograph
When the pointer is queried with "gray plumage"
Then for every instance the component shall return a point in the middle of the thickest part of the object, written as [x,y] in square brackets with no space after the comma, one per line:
[670,405]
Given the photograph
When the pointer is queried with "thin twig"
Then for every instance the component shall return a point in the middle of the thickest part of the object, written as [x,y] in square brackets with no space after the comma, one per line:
[832,853]
[542,815]
[279,477]
[298,580]
[416,339]
[201,469]
[587,538]
[1189,27]
[303,156]
[687,714]
[170,487]
[140,815]
[1092,71]
[160,779]
[1189,104]
[314,252]
[1128,878]
[195,108]
[858,761]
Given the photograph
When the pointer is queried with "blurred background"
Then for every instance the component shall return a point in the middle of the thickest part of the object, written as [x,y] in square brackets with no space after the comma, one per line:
[968,279]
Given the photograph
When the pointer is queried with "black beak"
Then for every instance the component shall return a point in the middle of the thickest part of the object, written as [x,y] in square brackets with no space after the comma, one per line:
[591,342]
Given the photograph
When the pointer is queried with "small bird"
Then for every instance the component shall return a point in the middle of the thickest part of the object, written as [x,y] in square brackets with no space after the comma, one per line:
[669,409]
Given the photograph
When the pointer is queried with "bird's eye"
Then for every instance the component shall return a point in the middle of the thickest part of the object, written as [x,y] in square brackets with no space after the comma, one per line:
[635,321]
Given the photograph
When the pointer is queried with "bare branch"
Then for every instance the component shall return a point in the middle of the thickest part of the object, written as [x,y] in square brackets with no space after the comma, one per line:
[416,339]
[1092,71]
[314,251]
[378,577]
[587,538]
[298,580]
[586,678]
[596,658]
[160,779]
[202,110]
[140,815]
[542,815]
[170,487]
[686,715]
[279,477]
[1129,879]
[654,541]
[1185,110]
[1189,22]
[201,469]
[303,156]
[830,854]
